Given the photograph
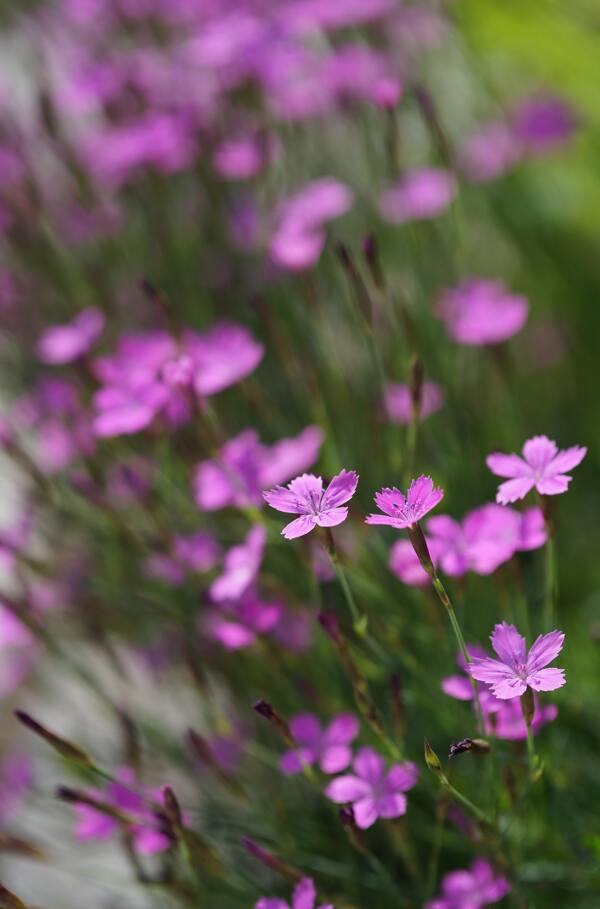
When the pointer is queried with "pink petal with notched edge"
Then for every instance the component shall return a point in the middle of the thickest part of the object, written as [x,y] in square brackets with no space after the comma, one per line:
[379,519]
[347,788]
[335,758]
[283,499]
[553,486]
[299,528]
[332,517]
[546,679]
[539,451]
[544,649]
[513,490]
[508,644]
[307,487]
[341,488]
[490,671]
[567,459]
[342,729]
[504,465]
[402,777]
[365,812]
[510,687]
[304,895]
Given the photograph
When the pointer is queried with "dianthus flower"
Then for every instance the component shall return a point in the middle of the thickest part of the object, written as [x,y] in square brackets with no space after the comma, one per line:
[398,401]
[542,466]
[516,670]
[402,512]
[329,747]
[481,311]
[419,194]
[303,897]
[240,567]
[64,343]
[472,889]
[373,790]
[305,496]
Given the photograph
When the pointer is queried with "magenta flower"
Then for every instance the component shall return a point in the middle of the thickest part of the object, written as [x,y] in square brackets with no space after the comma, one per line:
[516,670]
[419,194]
[237,624]
[125,794]
[490,153]
[303,897]
[481,311]
[240,567]
[245,467]
[398,401]
[299,237]
[199,552]
[329,747]
[373,790]
[472,889]
[488,537]
[404,563]
[401,512]
[305,496]
[542,466]
[543,122]
[65,343]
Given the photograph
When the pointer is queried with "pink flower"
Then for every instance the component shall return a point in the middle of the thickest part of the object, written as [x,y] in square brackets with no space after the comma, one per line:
[398,401]
[65,343]
[481,311]
[472,889]
[488,536]
[245,467]
[304,897]
[418,195]
[401,512]
[305,496]
[516,670]
[198,552]
[237,624]
[299,237]
[373,790]
[240,567]
[405,564]
[543,122]
[542,466]
[490,153]
[330,747]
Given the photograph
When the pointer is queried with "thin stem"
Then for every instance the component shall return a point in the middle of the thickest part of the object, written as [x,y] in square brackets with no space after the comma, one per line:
[551,586]
[412,434]
[531,755]
[468,804]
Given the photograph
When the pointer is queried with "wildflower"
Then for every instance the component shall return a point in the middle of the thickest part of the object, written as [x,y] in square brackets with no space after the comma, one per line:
[490,153]
[236,624]
[303,897]
[402,512]
[398,401]
[198,552]
[373,790]
[245,467]
[240,567]
[542,466]
[305,496]
[543,122]
[420,194]
[404,563]
[65,343]
[470,889]
[328,747]
[516,670]
[481,311]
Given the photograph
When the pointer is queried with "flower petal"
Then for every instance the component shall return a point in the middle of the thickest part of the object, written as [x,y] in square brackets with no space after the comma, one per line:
[402,777]
[332,517]
[567,459]
[513,490]
[544,649]
[539,451]
[299,527]
[304,894]
[335,758]
[504,465]
[509,644]
[347,788]
[392,805]
[341,489]
[342,729]
[553,486]
[284,500]
[365,812]
[546,679]
[457,686]
[306,729]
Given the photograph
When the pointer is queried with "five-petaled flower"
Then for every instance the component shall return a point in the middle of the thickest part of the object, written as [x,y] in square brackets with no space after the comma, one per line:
[542,466]
[329,747]
[305,496]
[373,790]
[405,511]
[516,670]
[472,889]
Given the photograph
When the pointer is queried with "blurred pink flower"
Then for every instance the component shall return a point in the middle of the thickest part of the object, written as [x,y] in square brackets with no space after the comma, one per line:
[516,670]
[542,467]
[237,623]
[481,311]
[305,496]
[303,897]
[543,122]
[197,552]
[490,153]
[400,511]
[418,195]
[329,747]
[65,343]
[240,567]
[19,649]
[472,889]
[405,564]
[398,401]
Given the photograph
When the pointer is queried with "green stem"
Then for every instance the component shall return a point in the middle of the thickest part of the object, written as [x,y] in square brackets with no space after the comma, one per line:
[551,591]
[531,755]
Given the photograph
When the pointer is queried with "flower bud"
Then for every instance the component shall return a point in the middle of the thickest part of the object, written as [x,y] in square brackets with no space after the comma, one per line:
[263,708]
[271,861]
[474,746]
[370,249]
[419,544]
[417,375]
[433,762]
[65,748]
[528,706]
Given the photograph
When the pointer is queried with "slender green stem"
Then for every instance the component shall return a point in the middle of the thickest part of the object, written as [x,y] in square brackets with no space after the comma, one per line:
[412,433]
[531,755]
[551,587]
[468,804]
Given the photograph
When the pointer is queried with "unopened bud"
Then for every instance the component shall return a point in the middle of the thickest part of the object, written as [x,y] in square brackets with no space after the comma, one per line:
[65,748]
[472,746]
[271,861]
[80,797]
[528,706]
[172,809]
[417,374]
[432,760]
[263,708]
[370,248]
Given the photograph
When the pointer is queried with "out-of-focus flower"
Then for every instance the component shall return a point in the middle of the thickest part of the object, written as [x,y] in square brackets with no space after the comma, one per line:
[243,157]
[479,886]
[405,564]
[19,650]
[400,511]
[303,897]
[420,194]
[198,552]
[398,401]
[125,794]
[487,537]
[490,153]
[16,779]
[542,466]
[246,467]
[373,790]
[543,122]
[480,311]
[298,238]
[240,567]
[320,15]
[236,624]
[329,747]
[516,670]
[65,343]
[305,496]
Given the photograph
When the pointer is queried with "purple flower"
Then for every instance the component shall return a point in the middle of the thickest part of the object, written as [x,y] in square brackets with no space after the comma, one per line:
[542,466]
[481,311]
[516,670]
[329,747]
[419,194]
[245,467]
[305,496]
[404,563]
[240,567]
[236,624]
[303,897]
[373,790]
[401,512]
[490,153]
[543,122]
[299,237]
[472,889]
[198,552]
[398,401]
[488,536]
[65,343]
